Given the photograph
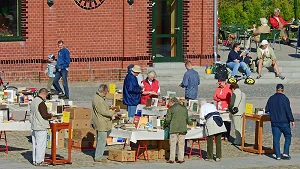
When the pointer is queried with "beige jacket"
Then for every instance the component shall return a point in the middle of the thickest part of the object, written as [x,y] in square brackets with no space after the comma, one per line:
[259,30]
[270,55]
[238,99]
[102,116]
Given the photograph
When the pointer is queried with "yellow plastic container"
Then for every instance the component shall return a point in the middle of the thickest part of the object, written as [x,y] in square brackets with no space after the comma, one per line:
[208,71]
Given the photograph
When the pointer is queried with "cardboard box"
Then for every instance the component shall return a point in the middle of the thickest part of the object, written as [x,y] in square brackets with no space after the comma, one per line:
[121,155]
[163,144]
[59,138]
[81,124]
[67,134]
[86,134]
[164,154]
[152,153]
[82,144]
[120,103]
[79,113]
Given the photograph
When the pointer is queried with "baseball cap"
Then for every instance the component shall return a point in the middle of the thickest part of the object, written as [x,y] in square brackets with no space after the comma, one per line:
[279,86]
[51,56]
[276,10]
[221,80]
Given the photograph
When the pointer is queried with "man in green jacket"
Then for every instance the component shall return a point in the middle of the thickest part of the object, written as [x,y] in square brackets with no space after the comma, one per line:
[101,120]
[177,120]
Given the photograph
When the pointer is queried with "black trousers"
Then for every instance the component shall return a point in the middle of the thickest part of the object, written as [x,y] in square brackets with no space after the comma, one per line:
[228,128]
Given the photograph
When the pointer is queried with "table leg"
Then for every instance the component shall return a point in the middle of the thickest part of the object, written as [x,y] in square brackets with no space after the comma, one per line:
[53,147]
[256,134]
[260,137]
[69,144]
[243,131]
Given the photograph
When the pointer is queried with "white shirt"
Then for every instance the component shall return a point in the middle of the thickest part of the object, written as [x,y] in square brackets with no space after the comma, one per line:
[206,109]
[265,50]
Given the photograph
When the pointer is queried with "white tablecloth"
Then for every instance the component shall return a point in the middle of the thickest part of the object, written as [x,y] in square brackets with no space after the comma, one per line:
[16,107]
[152,111]
[136,135]
[16,126]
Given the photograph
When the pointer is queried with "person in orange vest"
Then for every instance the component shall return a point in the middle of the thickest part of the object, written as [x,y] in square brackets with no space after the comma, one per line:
[151,87]
[223,96]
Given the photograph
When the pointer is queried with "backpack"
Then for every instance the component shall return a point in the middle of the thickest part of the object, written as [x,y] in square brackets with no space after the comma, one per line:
[221,72]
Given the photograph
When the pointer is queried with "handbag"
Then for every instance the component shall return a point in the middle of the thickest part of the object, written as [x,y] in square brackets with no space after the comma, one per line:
[235,110]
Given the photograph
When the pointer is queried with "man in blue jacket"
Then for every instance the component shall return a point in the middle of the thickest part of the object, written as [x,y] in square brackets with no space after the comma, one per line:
[62,68]
[278,106]
[190,82]
[132,91]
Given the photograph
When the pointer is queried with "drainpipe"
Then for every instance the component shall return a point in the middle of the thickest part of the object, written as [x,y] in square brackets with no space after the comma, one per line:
[215,30]
[123,36]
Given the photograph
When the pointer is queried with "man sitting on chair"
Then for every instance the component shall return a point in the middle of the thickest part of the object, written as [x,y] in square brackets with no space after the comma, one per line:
[267,58]
[278,22]
[264,28]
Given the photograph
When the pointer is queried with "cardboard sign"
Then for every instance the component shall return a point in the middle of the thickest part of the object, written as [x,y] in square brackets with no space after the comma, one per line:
[249,108]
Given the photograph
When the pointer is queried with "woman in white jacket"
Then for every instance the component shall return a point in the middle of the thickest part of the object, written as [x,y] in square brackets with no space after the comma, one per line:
[238,99]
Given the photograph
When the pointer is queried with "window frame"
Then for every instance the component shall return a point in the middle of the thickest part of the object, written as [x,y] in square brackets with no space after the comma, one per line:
[19,26]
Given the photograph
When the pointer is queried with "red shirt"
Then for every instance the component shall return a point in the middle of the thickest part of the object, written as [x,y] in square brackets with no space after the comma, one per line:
[149,87]
[275,23]
[223,95]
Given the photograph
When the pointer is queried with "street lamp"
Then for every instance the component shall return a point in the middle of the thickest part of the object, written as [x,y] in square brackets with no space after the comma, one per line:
[130,2]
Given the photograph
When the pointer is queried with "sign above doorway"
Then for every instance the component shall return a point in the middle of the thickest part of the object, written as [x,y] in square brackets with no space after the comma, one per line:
[88,4]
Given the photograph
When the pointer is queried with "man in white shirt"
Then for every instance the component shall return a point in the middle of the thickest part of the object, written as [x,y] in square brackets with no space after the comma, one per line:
[205,109]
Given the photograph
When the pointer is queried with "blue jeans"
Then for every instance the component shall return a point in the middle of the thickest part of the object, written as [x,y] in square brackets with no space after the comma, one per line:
[277,129]
[64,75]
[131,111]
[100,144]
[234,66]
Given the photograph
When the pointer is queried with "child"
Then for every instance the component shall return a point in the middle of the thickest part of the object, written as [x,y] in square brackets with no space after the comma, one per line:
[249,61]
[50,70]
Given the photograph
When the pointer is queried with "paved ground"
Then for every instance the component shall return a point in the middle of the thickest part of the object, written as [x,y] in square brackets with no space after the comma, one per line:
[81,94]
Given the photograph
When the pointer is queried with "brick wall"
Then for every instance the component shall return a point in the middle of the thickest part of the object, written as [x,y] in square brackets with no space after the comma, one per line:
[97,39]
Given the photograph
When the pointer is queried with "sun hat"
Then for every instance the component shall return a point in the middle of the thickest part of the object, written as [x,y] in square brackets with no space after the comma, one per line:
[136,68]
[264,42]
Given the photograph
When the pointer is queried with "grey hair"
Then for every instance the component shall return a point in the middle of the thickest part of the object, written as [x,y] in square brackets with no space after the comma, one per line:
[202,101]
[102,88]
[152,72]
[263,21]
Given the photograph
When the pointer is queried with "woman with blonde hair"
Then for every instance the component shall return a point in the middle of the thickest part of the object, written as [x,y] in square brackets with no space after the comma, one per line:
[151,87]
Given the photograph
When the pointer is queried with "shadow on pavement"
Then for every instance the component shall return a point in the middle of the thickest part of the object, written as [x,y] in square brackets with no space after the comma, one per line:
[294,55]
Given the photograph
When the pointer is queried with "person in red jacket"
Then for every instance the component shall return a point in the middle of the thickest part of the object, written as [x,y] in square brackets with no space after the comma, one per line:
[223,96]
[278,22]
[151,87]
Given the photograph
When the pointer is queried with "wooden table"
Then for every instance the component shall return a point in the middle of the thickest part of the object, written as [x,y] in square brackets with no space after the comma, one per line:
[114,97]
[57,160]
[258,145]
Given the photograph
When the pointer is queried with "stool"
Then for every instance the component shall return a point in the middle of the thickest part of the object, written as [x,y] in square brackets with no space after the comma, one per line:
[189,153]
[142,145]
[6,143]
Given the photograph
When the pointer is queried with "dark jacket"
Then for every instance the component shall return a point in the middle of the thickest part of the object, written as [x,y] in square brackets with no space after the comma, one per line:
[279,108]
[131,90]
[234,55]
[247,60]
[63,59]
[177,118]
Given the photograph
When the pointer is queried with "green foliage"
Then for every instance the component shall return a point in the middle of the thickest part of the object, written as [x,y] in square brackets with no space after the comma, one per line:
[232,11]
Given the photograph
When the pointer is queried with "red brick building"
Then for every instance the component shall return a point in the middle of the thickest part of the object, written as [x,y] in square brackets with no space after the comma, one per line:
[103,36]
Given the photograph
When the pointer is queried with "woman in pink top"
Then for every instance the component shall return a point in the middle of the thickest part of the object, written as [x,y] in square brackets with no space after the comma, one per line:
[223,96]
